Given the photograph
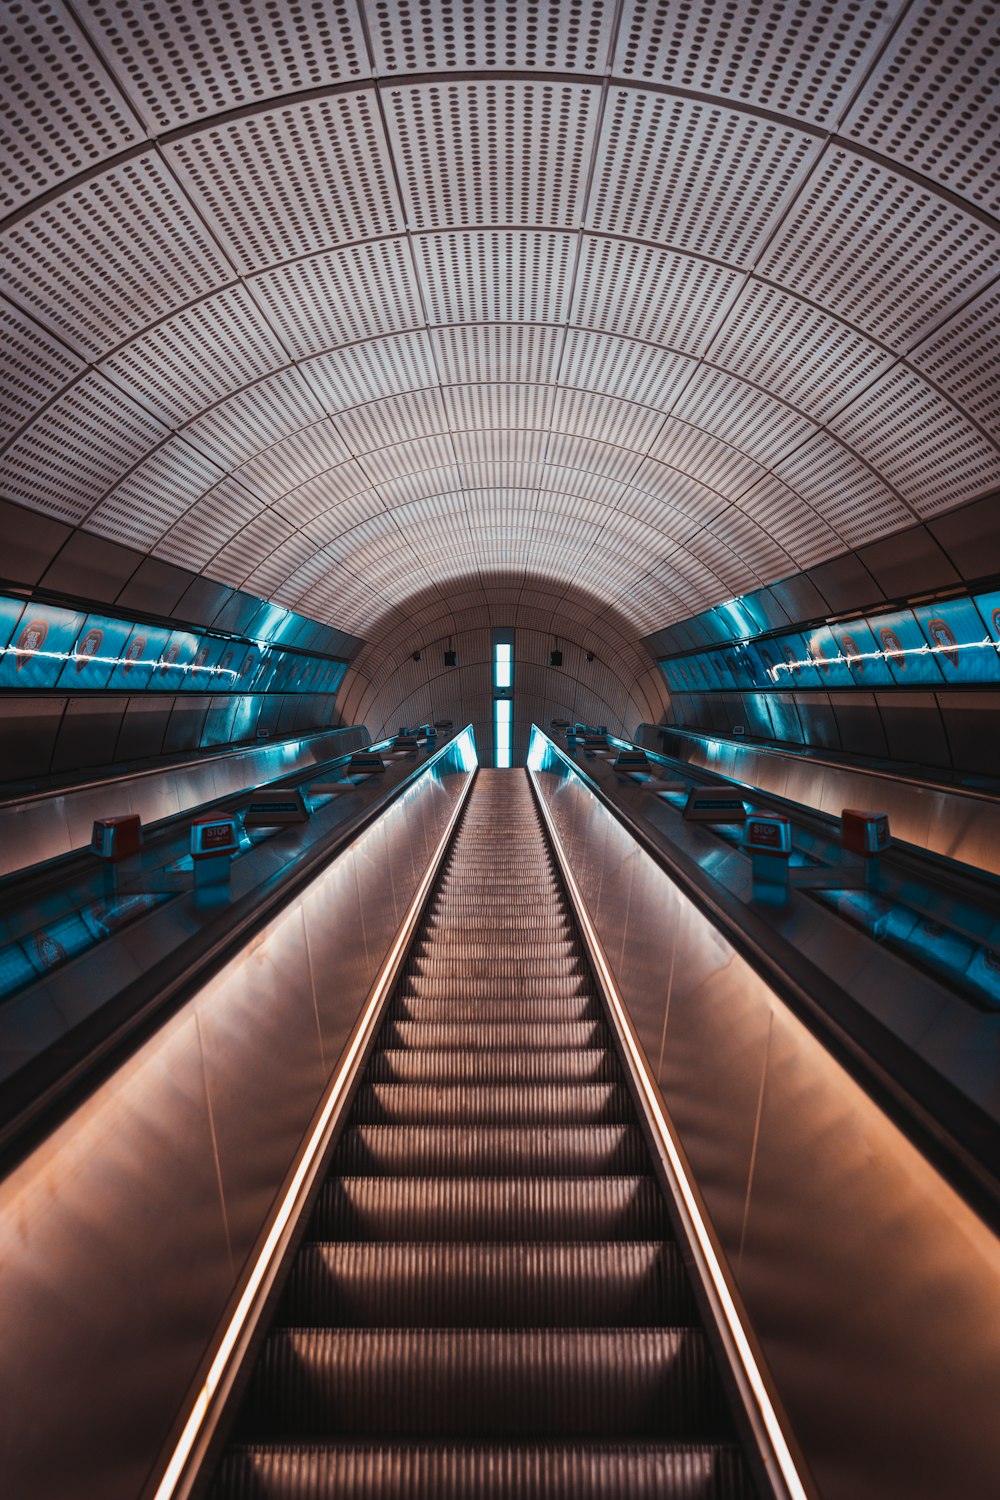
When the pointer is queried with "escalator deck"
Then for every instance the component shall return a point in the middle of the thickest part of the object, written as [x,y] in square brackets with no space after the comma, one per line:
[489,1300]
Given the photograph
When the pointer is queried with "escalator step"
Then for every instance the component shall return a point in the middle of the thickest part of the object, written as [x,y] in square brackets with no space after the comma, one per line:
[524,1104]
[566,1008]
[484,1151]
[503,1286]
[535,923]
[493,1036]
[589,1065]
[635,1471]
[536,986]
[493,1383]
[514,965]
[498,1208]
[459,948]
[497,1104]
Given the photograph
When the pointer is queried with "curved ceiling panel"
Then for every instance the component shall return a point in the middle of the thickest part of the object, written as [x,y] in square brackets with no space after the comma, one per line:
[348,302]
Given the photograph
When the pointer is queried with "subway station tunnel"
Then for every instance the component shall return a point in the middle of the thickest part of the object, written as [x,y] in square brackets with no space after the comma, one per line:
[484,487]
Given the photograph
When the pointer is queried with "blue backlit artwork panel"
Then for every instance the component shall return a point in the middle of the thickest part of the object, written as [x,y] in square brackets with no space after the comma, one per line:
[47,647]
[956,633]
[39,647]
[949,641]
[905,650]
[96,652]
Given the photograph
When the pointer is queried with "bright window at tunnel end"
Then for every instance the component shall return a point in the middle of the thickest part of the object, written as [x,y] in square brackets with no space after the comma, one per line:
[502,732]
[503,691]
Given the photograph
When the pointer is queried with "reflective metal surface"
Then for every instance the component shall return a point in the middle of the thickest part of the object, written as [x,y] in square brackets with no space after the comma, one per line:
[46,825]
[873,1289]
[962,825]
[123,1235]
[925,971]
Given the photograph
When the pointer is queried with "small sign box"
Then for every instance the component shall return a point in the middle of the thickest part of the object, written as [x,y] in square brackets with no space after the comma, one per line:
[714,804]
[211,837]
[864,833]
[269,809]
[406,742]
[769,833]
[631,760]
[366,760]
[116,838]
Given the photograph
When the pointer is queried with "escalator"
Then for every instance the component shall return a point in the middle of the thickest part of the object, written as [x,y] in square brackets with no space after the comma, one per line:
[489,1300]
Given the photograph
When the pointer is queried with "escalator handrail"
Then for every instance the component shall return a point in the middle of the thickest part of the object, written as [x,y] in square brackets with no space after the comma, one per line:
[790,752]
[167,768]
[965,881]
[961,1140]
[38,1097]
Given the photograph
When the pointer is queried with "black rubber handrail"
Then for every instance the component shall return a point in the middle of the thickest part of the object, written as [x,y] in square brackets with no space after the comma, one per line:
[44,1091]
[809,757]
[959,1137]
[167,767]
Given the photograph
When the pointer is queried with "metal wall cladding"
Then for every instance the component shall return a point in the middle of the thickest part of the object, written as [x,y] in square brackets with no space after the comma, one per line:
[970,723]
[914,729]
[45,735]
[175,1162]
[839,1236]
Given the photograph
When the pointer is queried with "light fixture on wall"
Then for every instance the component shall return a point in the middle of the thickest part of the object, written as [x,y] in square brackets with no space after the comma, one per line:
[416,656]
[555,655]
[590,656]
[450,656]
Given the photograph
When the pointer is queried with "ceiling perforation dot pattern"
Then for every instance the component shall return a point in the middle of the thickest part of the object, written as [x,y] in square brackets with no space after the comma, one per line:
[60,113]
[410,314]
[180,60]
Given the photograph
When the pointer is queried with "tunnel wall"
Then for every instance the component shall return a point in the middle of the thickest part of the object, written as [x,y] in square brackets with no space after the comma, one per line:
[400,677]
[949,727]
[55,733]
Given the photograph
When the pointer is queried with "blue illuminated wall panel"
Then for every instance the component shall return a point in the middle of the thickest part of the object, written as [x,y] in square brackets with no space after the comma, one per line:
[952,641]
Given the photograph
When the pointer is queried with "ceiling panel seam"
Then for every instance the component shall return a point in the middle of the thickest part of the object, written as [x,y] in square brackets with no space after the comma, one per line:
[650,87]
[401,199]
[300,363]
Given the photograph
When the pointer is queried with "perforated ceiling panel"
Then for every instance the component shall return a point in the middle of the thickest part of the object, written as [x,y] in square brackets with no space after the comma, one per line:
[416,316]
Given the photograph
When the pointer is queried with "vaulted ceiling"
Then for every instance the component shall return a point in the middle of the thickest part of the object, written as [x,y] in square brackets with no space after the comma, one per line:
[355,303]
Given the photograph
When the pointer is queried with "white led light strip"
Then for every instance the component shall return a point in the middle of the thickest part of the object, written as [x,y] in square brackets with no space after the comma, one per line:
[219,1368]
[794,1488]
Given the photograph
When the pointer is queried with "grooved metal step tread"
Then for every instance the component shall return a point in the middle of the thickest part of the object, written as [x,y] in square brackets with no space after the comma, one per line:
[451,1471]
[586,1065]
[524,1383]
[491,1151]
[497,986]
[456,948]
[531,1008]
[515,1036]
[511,965]
[497,1208]
[488,899]
[531,922]
[469,885]
[503,1286]
[499,1104]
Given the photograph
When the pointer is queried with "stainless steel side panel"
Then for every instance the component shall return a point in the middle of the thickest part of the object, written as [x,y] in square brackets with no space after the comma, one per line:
[873,1289]
[123,1236]
[948,821]
[44,826]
